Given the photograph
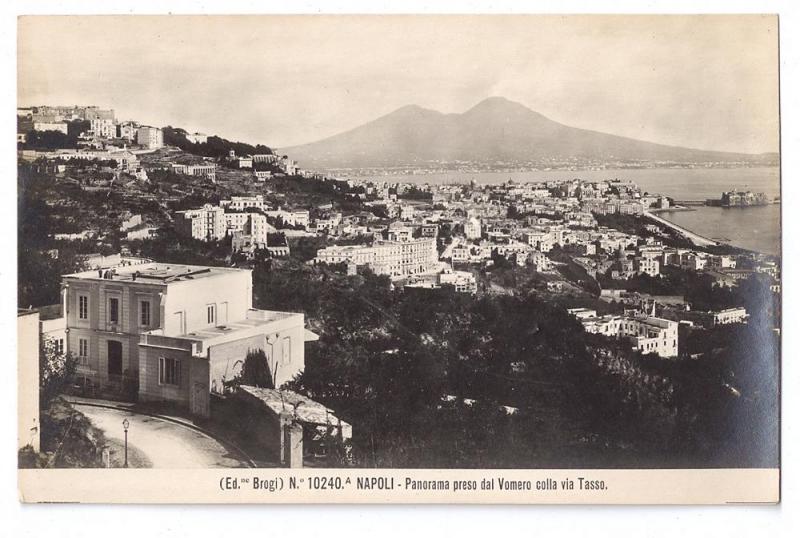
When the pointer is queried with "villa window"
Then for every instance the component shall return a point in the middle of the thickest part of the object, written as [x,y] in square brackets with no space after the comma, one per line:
[83,307]
[113,310]
[83,350]
[144,316]
[211,314]
[286,350]
[169,371]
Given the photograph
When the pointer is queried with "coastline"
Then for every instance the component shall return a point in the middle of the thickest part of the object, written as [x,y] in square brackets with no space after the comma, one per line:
[749,242]
[695,238]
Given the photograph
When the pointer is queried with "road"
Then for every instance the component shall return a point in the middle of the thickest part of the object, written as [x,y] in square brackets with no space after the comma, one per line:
[154,442]
[697,239]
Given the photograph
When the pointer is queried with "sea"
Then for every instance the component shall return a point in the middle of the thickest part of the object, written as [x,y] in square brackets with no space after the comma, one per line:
[753,228]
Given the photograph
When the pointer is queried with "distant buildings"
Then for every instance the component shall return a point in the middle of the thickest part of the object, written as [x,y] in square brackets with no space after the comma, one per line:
[239,162]
[31,125]
[265,158]
[729,315]
[393,258]
[460,281]
[207,170]
[103,127]
[540,240]
[102,123]
[197,138]
[648,334]
[206,223]
[246,218]
[252,227]
[646,266]
[150,137]
[127,130]
[711,319]
[472,228]
[240,203]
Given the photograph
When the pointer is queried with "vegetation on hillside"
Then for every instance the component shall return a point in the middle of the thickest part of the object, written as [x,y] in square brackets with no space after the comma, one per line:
[214,147]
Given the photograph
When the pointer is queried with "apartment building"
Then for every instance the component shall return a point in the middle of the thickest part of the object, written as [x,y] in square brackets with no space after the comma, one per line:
[647,266]
[252,224]
[721,262]
[103,127]
[293,218]
[265,158]
[181,331]
[648,334]
[127,130]
[542,241]
[461,281]
[540,261]
[393,258]
[729,315]
[206,223]
[240,203]
[472,228]
[693,261]
[150,137]
[31,125]
[208,171]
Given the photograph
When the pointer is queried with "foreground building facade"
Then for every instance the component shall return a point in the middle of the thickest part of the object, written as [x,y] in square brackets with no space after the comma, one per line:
[180,331]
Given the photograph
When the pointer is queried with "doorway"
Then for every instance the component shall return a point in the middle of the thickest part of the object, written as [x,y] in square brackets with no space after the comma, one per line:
[114,358]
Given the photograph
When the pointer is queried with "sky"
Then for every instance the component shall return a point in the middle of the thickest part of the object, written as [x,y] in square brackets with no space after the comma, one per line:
[707,82]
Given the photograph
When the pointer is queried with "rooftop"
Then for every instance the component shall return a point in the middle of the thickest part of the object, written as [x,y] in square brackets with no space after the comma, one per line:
[198,340]
[155,273]
[265,317]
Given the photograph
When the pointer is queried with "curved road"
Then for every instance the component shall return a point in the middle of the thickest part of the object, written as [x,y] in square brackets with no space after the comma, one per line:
[697,239]
[154,442]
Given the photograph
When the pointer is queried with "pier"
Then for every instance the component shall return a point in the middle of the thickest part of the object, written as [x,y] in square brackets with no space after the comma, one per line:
[698,240]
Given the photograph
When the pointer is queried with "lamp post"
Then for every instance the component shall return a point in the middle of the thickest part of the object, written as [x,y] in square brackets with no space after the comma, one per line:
[125,424]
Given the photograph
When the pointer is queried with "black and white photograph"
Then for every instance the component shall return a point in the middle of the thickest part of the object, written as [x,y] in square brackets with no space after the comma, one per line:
[399,242]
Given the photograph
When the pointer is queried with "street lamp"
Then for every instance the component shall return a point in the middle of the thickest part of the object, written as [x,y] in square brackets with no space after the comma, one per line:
[125,424]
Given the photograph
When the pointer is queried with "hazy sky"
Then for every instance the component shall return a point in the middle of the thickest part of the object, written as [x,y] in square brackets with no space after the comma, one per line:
[708,82]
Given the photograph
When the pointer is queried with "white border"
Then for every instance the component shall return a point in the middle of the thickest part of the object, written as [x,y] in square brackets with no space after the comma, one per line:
[66,521]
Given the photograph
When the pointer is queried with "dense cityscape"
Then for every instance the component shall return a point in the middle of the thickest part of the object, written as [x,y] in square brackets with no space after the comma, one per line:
[557,323]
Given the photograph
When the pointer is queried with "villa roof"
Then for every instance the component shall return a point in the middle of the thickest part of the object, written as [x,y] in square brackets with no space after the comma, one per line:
[155,273]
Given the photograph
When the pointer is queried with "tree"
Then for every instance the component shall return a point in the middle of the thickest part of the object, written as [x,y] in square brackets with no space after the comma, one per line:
[255,371]
[49,140]
[55,371]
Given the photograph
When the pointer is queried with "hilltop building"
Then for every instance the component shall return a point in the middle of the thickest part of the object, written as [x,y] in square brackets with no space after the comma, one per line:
[150,137]
[648,334]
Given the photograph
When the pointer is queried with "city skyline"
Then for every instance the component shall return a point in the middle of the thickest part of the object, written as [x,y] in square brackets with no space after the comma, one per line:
[685,82]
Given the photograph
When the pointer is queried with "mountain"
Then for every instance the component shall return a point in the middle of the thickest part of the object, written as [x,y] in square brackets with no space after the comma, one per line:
[495,129]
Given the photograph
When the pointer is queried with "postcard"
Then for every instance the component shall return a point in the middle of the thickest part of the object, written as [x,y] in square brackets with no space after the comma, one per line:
[399,259]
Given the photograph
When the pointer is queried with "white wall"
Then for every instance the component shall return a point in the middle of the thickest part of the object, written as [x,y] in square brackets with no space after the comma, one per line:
[193,296]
